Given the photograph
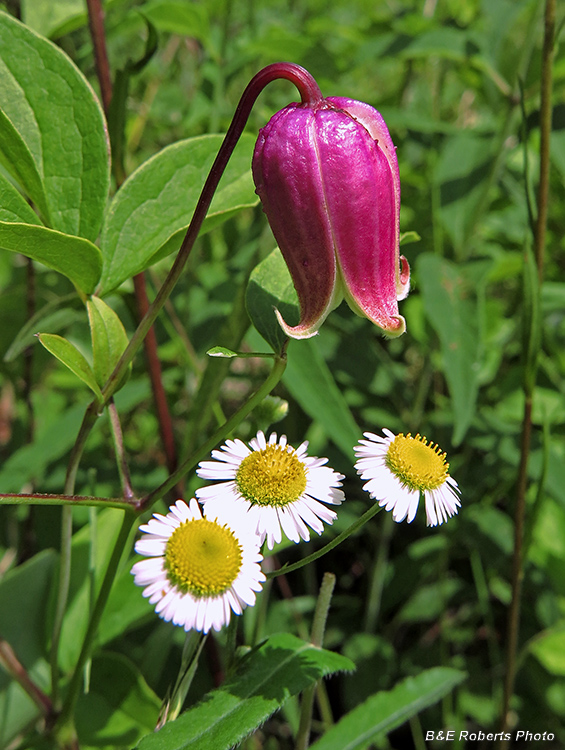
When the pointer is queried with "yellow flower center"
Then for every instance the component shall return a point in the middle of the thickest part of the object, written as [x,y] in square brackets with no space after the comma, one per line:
[202,558]
[272,476]
[418,464]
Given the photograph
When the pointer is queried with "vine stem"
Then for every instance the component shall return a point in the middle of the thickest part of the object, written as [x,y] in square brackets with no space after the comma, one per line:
[522,483]
[310,93]
[317,639]
[65,721]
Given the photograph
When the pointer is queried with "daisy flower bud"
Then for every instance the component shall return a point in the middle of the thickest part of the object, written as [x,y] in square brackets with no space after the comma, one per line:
[197,570]
[273,486]
[327,175]
[400,468]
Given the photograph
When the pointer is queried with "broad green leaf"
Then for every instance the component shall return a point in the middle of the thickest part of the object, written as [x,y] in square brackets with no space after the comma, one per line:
[56,113]
[453,302]
[24,595]
[16,157]
[151,211]
[13,206]
[52,317]
[311,383]
[30,462]
[70,356]
[47,16]
[77,259]
[86,569]
[119,707]
[387,710]
[270,286]
[187,19]
[281,667]
[109,338]
[549,650]
[463,166]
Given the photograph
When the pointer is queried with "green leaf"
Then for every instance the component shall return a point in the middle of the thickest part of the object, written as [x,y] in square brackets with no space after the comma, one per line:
[53,316]
[24,595]
[187,19]
[456,313]
[13,206]
[109,338]
[16,157]
[311,383]
[77,259]
[463,166]
[55,111]
[151,211]
[221,351]
[549,649]
[270,286]
[70,356]
[119,707]
[281,667]
[386,710]
[47,16]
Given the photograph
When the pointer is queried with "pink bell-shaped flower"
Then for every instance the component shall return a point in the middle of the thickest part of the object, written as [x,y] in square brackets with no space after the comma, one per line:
[327,175]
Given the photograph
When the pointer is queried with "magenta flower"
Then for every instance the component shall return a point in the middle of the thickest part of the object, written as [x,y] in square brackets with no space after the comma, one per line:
[327,175]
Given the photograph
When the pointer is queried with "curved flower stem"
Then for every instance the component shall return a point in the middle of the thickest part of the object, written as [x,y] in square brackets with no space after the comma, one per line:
[273,378]
[522,484]
[373,510]
[310,93]
[66,534]
[66,717]
[317,639]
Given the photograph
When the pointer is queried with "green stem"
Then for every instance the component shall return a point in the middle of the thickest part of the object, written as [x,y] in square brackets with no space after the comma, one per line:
[373,510]
[310,93]
[88,421]
[522,484]
[66,716]
[121,462]
[378,575]
[317,639]
[221,433]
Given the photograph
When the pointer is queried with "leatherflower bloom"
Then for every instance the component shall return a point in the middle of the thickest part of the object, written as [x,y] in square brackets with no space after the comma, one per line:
[400,468]
[327,175]
[198,570]
[273,486]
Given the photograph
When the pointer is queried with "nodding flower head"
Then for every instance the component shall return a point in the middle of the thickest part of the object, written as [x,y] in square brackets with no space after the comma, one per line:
[327,175]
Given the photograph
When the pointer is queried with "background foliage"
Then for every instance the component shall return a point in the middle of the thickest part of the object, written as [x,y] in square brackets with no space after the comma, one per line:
[459,86]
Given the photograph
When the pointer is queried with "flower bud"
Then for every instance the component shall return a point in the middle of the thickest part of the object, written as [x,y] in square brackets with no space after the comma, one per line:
[327,175]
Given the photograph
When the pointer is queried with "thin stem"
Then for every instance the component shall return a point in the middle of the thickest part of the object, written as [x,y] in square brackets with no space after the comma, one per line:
[545,134]
[42,499]
[311,94]
[317,639]
[88,421]
[273,378]
[373,510]
[118,439]
[74,688]
[96,25]
[378,575]
[156,376]
[15,669]
[539,251]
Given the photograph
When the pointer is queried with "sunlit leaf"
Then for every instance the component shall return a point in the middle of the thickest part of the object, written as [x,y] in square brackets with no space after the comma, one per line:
[60,122]
[281,667]
[70,356]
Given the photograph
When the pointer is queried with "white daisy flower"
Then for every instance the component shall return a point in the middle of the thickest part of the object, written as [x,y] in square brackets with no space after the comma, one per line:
[198,570]
[276,486]
[400,468]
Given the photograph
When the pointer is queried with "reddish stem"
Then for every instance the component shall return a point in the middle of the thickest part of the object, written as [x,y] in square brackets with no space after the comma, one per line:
[96,25]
